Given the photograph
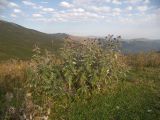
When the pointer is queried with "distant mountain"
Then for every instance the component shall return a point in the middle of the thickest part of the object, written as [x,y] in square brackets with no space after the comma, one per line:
[17,41]
[140,45]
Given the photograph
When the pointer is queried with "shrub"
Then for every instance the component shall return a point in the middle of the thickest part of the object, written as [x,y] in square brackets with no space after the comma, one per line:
[92,66]
[81,70]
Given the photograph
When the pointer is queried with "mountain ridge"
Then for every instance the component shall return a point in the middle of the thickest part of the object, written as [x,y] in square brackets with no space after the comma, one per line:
[17,41]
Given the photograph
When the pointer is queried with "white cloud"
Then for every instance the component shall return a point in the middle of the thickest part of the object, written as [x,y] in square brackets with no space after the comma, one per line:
[92,15]
[115,14]
[12,4]
[28,3]
[66,4]
[6,4]
[133,1]
[90,2]
[78,10]
[33,5]
[39,19]
[77,15]
[103,9]
[17,10]
[13,15]
[37,7]
[47,9]
[118,10]
[108,1]
[118,2]
[146,1]
[2,16]
[37,15]
[126,20]
[142,8]
[130,15]
[129,8]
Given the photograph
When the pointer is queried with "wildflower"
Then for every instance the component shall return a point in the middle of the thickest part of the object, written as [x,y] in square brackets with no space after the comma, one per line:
[12,110]
[19,67]
[115,56]
[45,117]
[149,111]
[108,71]
[117,107]
[49,111]
[28,94]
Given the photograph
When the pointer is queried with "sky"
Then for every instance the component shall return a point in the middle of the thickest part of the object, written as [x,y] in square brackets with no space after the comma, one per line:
[128,18]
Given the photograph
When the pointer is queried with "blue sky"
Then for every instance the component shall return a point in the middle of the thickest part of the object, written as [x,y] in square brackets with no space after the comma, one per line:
[129,18]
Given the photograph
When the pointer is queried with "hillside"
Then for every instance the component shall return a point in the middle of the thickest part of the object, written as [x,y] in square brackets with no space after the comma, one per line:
[17,41]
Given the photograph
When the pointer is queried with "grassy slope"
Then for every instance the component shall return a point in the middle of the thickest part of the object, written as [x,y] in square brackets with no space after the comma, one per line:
[18,42]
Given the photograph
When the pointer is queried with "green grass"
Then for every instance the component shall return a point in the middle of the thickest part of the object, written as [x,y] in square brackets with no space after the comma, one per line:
[145,74]
[129,101]
[138,98]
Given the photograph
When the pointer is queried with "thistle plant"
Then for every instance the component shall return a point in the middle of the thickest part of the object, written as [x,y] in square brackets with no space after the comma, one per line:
[81,70]
[93,65]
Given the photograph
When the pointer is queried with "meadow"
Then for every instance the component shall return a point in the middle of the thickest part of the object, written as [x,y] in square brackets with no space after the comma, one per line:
[89,81]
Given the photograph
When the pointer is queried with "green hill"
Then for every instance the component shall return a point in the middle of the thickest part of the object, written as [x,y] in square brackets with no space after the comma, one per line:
[17,41]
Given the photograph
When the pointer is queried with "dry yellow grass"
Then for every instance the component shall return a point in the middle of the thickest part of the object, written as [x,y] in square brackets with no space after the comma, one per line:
[13,68]
[12,75]
[141,60]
